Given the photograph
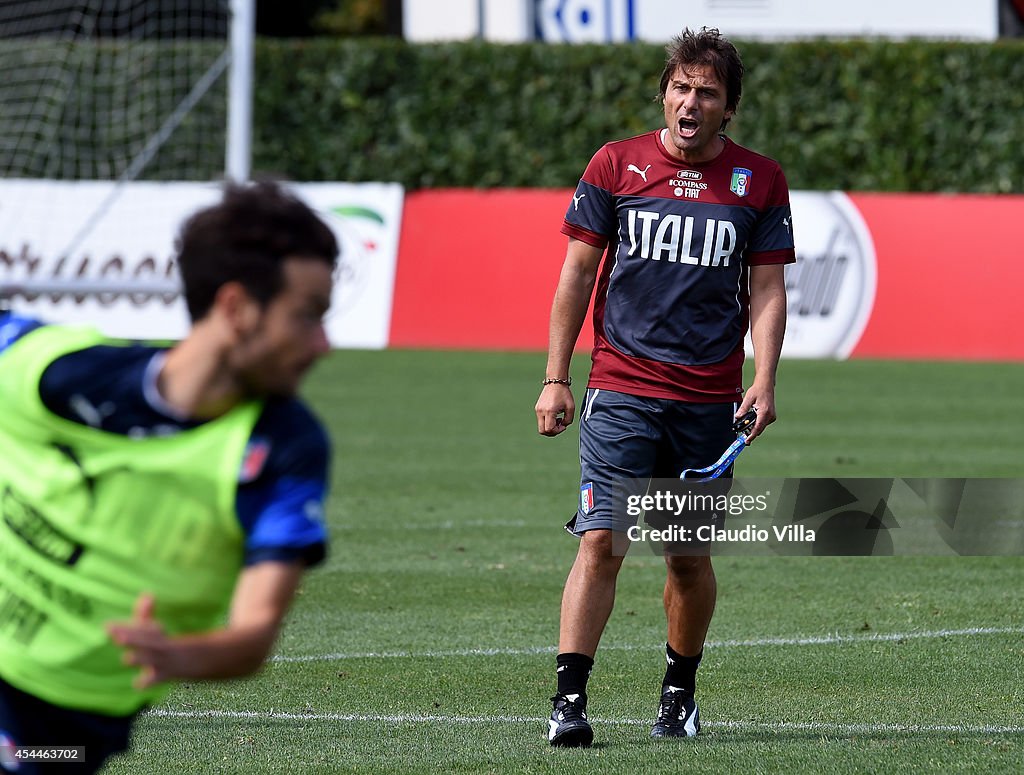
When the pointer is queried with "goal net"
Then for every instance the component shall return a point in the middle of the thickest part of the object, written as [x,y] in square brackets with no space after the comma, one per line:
[102,100]
[113,89]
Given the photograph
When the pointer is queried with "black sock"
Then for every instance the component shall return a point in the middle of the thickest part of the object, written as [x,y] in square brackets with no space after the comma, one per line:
[681,671]
[573,672]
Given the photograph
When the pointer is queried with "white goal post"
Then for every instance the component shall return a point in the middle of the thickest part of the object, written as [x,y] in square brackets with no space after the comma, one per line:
[240,86]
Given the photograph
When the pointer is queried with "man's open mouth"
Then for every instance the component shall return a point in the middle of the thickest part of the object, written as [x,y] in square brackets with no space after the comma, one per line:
[688,127]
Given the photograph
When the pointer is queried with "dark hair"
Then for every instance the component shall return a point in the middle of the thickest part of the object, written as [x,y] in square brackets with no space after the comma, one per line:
[707,47]
[246,238]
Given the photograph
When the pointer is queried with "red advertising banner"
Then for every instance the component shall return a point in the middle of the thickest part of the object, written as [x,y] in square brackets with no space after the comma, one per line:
[950,270]
[879,275]
[478,269]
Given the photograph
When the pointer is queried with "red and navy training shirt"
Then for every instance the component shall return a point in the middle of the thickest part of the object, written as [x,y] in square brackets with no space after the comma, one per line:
[671,308]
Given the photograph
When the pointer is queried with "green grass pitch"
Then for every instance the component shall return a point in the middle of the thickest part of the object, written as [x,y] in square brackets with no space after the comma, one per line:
[426,642]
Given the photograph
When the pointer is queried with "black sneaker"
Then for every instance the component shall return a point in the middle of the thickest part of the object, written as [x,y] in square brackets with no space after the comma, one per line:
[568,726]
[678,715]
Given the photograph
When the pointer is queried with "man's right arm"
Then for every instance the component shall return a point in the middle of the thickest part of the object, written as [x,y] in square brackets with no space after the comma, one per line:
[261,599]
[555,408]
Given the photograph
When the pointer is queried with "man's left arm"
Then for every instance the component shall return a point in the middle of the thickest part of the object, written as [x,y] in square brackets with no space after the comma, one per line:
[767,329]
[261,599]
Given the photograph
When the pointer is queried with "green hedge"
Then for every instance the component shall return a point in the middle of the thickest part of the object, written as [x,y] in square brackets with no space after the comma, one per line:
[913,116]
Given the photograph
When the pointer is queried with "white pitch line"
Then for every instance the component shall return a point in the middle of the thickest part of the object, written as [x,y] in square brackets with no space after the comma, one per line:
[415,718]
[810,640]
[815,640]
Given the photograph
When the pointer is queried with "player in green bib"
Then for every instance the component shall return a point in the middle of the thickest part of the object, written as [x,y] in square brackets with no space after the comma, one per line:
[158,506]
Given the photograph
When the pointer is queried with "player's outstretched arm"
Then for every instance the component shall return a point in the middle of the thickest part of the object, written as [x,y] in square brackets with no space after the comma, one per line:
[767,328]
[556,407]
[262,597]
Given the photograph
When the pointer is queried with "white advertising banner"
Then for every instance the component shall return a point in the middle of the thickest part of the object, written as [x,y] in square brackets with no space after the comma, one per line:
[60,238]
[831,288]
[609,21]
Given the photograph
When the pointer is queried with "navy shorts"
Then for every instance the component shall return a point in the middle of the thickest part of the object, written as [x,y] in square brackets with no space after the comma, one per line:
[626,440]
[27,720]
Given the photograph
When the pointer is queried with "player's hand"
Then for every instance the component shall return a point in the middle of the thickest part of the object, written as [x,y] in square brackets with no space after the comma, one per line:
[555,409]
[146,644]
[762,397]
